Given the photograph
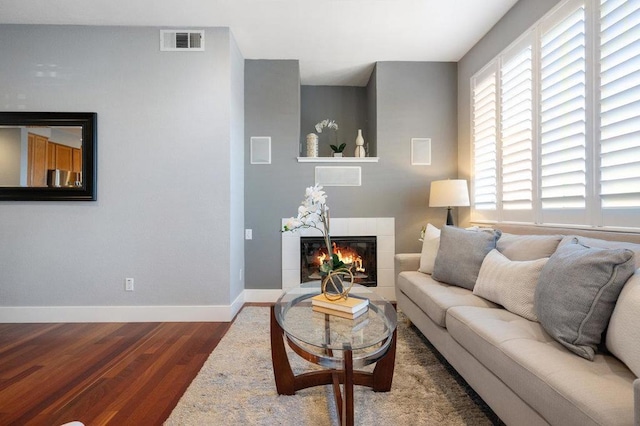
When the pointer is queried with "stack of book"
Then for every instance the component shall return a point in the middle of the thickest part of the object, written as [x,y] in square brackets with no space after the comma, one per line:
[349,308]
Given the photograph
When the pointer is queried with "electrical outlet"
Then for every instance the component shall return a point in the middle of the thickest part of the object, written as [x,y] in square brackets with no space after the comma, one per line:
[248,234]
[240,274]
[128,284]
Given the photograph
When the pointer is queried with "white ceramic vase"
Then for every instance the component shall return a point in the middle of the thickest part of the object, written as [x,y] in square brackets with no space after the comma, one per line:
[312,145]
[360,152]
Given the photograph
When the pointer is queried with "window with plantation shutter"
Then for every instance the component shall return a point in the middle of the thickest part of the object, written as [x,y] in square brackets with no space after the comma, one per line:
[620,111]
[555,121]
[516,130]
[485,110]
[563,114]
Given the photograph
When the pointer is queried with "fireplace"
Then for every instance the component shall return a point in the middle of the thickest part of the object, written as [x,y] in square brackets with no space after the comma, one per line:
[358,253]
[383,228]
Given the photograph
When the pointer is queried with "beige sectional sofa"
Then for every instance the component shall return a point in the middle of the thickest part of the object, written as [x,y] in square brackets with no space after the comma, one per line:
[525,375]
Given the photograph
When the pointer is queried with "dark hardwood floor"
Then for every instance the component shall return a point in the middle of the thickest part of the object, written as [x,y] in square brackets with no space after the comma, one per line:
[99,373]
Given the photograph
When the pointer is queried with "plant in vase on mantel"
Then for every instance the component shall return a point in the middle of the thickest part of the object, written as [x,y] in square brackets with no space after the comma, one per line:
[314,213]
[337,150]
[331,124]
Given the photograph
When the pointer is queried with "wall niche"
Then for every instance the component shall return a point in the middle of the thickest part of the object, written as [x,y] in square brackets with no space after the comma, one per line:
[349,106]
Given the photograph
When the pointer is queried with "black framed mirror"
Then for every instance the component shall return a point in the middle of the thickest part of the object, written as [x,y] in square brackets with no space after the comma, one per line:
[48,156]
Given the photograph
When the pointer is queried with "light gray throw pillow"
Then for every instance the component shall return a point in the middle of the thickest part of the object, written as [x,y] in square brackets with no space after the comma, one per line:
[461,253]
[527,247]
[510,283]
[577,291]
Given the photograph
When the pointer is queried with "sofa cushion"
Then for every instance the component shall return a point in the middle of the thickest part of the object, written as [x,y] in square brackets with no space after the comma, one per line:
[606,244]
[527,247]
[577,292]
[511,284]
[564,388]
[461,253]
[430,244]
[623,334]
[435,298]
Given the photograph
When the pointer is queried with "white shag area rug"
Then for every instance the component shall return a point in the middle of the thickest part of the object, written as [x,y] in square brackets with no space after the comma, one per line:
[236,387]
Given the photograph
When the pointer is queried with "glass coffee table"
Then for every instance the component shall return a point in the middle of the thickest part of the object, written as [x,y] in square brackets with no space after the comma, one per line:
[340,345]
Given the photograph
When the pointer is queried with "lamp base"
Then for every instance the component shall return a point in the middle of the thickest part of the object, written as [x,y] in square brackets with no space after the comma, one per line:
[449,217]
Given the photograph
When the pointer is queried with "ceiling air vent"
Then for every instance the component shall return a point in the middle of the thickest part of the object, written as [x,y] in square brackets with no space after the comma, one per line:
[174,40]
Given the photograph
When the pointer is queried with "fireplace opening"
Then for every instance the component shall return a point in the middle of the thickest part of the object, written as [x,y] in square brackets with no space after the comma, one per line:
[358,253]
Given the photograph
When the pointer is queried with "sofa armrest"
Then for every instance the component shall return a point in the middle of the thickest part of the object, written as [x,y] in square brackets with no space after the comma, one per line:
[406,262]
[636,405]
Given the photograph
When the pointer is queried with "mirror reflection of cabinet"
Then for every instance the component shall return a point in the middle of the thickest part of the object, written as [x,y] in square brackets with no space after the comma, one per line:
[46,155]
[37,161]
[63,157]
[51,155]
[76,163]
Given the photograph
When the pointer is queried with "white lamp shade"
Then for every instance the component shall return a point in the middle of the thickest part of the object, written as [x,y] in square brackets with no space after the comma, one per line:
[449,193]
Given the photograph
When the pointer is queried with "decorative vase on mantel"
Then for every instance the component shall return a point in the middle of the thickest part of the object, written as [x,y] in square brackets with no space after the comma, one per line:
[360,151]
[312,145]
[337,154]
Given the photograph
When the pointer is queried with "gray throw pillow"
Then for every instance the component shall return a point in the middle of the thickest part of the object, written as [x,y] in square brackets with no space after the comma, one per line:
[577,291]
[527,247]
[461,253]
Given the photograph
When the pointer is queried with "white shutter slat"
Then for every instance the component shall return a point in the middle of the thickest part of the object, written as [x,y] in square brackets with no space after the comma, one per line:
[621,142]
[626,97]
[625,125]
[616,16]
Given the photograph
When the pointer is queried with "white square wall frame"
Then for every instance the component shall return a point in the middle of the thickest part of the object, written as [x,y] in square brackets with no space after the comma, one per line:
[420,151]
[260,150]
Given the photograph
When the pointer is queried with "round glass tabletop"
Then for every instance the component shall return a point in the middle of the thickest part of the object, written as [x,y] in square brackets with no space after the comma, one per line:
[300,322]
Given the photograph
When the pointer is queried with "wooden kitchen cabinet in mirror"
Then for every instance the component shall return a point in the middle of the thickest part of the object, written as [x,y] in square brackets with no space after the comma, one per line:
[48,156]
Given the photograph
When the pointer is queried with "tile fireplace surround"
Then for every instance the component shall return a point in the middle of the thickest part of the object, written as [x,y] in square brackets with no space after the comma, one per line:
[381,227]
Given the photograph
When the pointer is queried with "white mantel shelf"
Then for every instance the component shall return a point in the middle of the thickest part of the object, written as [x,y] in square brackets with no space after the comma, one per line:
[338,159]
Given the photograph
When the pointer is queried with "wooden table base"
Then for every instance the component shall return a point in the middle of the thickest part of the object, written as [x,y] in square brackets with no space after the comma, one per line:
[287,383]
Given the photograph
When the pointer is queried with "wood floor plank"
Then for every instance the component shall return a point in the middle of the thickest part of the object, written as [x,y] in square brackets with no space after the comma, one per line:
[100,374]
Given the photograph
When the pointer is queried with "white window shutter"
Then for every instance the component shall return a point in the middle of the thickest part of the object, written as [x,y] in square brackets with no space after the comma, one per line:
[555,121]
[620,111]
[563,115]
[516,130]
[484,129]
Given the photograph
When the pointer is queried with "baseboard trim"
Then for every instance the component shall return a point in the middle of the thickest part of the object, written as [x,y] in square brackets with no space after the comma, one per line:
[194,313]
[262,296]
[53,314]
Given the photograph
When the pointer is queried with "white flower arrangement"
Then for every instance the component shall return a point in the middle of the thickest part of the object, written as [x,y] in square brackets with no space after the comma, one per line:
[330,124]
[314,213]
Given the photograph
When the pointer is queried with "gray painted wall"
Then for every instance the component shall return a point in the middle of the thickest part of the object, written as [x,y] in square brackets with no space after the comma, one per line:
[413,99]
[166,169]
[515,22]
[346,105]
[236,161]
[370,142]
[272,108]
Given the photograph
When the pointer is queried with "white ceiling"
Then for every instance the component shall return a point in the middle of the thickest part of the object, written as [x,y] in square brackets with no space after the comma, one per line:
[336,41]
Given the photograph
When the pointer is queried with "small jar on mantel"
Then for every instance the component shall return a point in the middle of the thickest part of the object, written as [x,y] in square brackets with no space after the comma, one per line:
[360,151]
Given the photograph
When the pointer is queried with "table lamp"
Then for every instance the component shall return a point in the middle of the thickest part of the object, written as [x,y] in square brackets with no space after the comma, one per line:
[449,193]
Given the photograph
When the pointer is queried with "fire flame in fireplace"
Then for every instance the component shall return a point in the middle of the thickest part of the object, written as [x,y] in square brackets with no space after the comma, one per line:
[346,255]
